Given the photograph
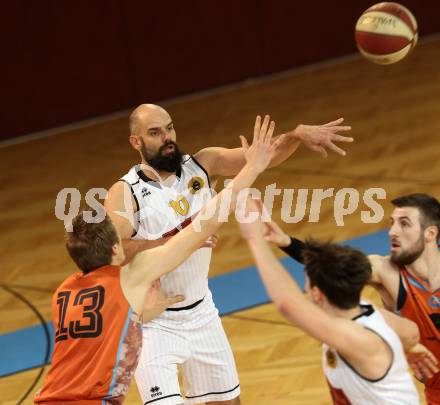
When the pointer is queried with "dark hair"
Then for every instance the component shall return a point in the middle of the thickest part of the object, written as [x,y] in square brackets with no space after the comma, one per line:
[90,244]
[428,206]
[340,272]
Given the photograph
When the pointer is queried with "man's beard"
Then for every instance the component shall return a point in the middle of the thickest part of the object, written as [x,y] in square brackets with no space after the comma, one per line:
[404,258]
[170,163]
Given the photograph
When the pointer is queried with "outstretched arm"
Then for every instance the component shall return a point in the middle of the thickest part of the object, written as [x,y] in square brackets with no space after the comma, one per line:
[318,138]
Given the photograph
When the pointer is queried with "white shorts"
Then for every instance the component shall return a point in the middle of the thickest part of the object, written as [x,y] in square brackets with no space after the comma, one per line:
[203,351]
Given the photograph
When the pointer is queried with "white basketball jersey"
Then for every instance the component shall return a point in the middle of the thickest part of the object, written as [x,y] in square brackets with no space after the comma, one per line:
[164,209]
[348,387]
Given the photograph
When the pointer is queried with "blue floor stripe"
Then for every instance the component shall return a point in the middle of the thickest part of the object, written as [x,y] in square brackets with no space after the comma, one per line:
[243,289]
[373,243]
[25,348]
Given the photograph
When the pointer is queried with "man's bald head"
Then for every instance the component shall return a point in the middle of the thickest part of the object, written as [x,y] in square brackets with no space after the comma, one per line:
[144,115]
[152,134]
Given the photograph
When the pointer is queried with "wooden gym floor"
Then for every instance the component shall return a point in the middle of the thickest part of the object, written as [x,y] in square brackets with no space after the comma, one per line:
[395,115]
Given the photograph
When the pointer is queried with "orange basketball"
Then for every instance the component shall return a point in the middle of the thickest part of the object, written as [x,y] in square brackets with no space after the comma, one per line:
[386,33]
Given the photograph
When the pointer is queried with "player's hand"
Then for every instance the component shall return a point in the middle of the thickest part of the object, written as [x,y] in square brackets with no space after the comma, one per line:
[422,362]
[211,242]
[260,152]
[274,234]
[157,302]
[271,231]
[250,228]
[319,138]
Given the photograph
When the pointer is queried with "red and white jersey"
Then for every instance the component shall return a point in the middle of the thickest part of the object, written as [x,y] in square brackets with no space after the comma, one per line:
[347,386]
[164,209]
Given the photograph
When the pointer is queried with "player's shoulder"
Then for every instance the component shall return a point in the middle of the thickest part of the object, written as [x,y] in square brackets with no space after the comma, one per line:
[118,191]
[380,260]
[187,159]
[205,153]
[132,176]
[383,265]
[68,283]
[198,162]
[125,182]
[118,187]
[207,156]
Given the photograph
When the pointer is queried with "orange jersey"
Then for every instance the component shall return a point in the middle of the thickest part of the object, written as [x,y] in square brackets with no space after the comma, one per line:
[416,301]
[98,341]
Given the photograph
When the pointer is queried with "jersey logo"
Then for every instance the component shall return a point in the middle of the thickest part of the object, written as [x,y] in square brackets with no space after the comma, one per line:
[155,392]
[180,206]
[332,360]
[145,192]
[195,184]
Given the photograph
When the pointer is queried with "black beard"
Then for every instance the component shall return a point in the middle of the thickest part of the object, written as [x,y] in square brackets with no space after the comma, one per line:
[164,163]
[410,256]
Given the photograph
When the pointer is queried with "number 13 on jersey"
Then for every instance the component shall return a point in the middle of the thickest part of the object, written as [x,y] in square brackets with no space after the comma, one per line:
[90,324]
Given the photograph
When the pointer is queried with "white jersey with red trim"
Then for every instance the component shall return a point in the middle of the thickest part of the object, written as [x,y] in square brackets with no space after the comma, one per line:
[349,387]
[163,210]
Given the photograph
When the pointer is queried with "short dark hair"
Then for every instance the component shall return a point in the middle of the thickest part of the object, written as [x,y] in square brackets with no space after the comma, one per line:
[90,244]
[340,272]
[428,206]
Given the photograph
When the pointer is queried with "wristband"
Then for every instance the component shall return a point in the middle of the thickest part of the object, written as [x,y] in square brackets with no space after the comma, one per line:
[294,250]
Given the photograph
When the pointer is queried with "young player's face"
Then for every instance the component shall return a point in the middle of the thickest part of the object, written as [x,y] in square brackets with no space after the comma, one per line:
[406,235]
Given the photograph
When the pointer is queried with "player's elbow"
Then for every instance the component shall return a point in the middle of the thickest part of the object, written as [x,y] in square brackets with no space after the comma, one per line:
[284,306]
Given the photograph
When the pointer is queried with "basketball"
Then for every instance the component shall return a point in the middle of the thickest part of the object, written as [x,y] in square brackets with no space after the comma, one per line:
[386,33]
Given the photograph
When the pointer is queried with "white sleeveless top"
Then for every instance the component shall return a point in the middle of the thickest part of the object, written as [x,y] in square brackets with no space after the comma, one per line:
[394,388]
[163,210]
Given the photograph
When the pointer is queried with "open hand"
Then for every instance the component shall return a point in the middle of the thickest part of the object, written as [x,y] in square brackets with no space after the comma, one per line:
[250,223]
[274,234]
[157,302]
[422,362]
[261,151]
[319,138]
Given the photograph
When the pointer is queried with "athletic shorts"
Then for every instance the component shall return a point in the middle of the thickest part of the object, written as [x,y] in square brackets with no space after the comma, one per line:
[195,340]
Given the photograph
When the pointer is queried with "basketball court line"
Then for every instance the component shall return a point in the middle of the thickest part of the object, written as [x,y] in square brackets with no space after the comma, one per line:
[232,292]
